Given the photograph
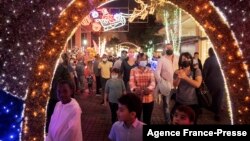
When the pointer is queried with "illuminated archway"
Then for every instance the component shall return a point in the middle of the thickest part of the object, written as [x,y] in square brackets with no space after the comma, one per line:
[203,11]
[129,44]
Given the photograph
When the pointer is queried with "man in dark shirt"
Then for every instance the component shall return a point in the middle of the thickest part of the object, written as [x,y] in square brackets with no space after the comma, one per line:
[215,83]
[97,74]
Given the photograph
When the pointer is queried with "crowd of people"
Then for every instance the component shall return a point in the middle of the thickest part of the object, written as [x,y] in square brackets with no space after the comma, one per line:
[130,87]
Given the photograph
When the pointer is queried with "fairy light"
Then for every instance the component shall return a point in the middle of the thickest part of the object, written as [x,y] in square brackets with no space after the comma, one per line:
[247,99]
[10,111]
[62,31]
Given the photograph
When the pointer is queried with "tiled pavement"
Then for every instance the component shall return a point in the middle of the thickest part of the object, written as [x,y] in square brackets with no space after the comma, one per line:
[96,122]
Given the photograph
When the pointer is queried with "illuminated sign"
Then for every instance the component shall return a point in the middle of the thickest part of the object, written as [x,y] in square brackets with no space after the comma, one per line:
[94,14]
[86,21]
[102,19]
[110,22]
[96,27]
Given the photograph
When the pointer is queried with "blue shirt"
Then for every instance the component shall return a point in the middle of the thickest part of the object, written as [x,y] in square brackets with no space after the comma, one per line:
[120,132]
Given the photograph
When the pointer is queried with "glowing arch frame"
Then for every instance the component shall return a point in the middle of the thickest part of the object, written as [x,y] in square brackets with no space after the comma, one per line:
[129,43]
[203,11]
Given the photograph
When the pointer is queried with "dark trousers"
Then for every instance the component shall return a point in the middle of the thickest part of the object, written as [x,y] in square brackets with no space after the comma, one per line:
[80,83]
[103,83]
[50,110]
[113,108]
[147,109]
[195,107]
[217,96]
[98,84]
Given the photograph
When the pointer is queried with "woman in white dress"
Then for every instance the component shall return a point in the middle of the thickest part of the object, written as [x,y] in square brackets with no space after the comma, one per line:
[65,122]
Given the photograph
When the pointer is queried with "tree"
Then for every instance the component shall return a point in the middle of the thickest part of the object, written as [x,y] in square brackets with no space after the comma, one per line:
[142,33]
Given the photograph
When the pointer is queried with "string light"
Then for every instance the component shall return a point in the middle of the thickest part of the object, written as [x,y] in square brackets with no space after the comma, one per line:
[219,36]
[10,112]
[7,21]
[247,99]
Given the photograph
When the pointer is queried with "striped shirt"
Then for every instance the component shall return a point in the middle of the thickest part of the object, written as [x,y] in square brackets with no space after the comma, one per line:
[143,79]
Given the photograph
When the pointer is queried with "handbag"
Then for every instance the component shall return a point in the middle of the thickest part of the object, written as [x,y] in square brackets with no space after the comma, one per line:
[203,96]
[164,87]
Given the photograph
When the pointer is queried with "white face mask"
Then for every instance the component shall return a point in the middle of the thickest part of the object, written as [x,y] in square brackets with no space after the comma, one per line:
[131,55]
[104,59]
[114,76]
[143,63]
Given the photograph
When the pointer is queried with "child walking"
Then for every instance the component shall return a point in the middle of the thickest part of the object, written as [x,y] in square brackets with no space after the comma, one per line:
[90,80]
[114,89]
[89,76]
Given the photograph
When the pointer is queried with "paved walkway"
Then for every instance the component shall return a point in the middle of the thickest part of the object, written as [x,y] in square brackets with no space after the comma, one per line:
[96,121]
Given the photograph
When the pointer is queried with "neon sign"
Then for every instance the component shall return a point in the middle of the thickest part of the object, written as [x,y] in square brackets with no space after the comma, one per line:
[94,14]
[102,19]
[112,22]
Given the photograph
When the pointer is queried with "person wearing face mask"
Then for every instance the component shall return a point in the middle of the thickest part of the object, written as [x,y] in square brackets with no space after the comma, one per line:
[142,83]
[196,57]
[166,66]
[114,89]
[80,73]
[185,56]
[187,79]
[105,67]
[126,66]
[195,64]
[118,62]
[97,74]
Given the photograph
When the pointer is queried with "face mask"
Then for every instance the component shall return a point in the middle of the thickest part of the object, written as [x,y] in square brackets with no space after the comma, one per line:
[143,63]
[114,76]
[169,52]
[185,64]
[195,61]
[104,59]
[131,55]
